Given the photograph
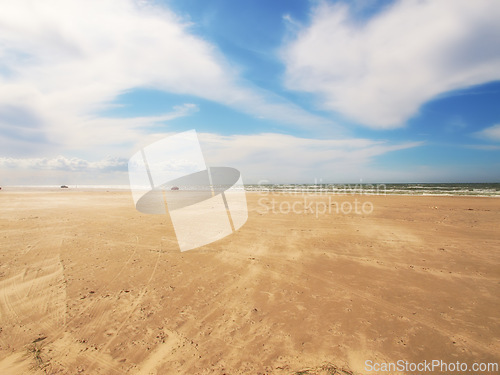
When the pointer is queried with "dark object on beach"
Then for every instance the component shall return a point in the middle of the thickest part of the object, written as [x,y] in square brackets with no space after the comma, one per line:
[64,187]
[174,188]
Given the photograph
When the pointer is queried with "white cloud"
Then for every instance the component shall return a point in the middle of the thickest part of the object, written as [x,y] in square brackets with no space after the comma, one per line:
[66,164]
[267,156]
[24,132]
[118,130]
[492,133]
[285,158]
[62,61]
[380,72]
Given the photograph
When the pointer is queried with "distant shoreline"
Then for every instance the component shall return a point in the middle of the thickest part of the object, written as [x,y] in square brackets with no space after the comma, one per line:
[490,190]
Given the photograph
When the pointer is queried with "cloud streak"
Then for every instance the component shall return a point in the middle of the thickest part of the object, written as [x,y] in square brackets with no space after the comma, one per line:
[286,158]
[65,164]
[266,156]
[379,72]
[492,133]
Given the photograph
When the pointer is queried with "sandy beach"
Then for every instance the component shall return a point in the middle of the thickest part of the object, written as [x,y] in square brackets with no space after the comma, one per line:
[90,285]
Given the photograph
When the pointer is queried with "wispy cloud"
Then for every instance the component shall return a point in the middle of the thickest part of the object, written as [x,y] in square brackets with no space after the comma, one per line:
[492,133]
[380,72]
[266,156]
[26,133]
[286,158]
[65,164]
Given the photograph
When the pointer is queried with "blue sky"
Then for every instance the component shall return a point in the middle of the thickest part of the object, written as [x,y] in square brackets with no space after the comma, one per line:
[284,90]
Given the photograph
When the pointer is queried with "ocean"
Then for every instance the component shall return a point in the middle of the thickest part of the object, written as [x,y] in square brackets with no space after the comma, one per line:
[428,189]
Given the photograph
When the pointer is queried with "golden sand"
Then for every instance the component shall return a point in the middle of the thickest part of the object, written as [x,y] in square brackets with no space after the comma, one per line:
[90,285]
